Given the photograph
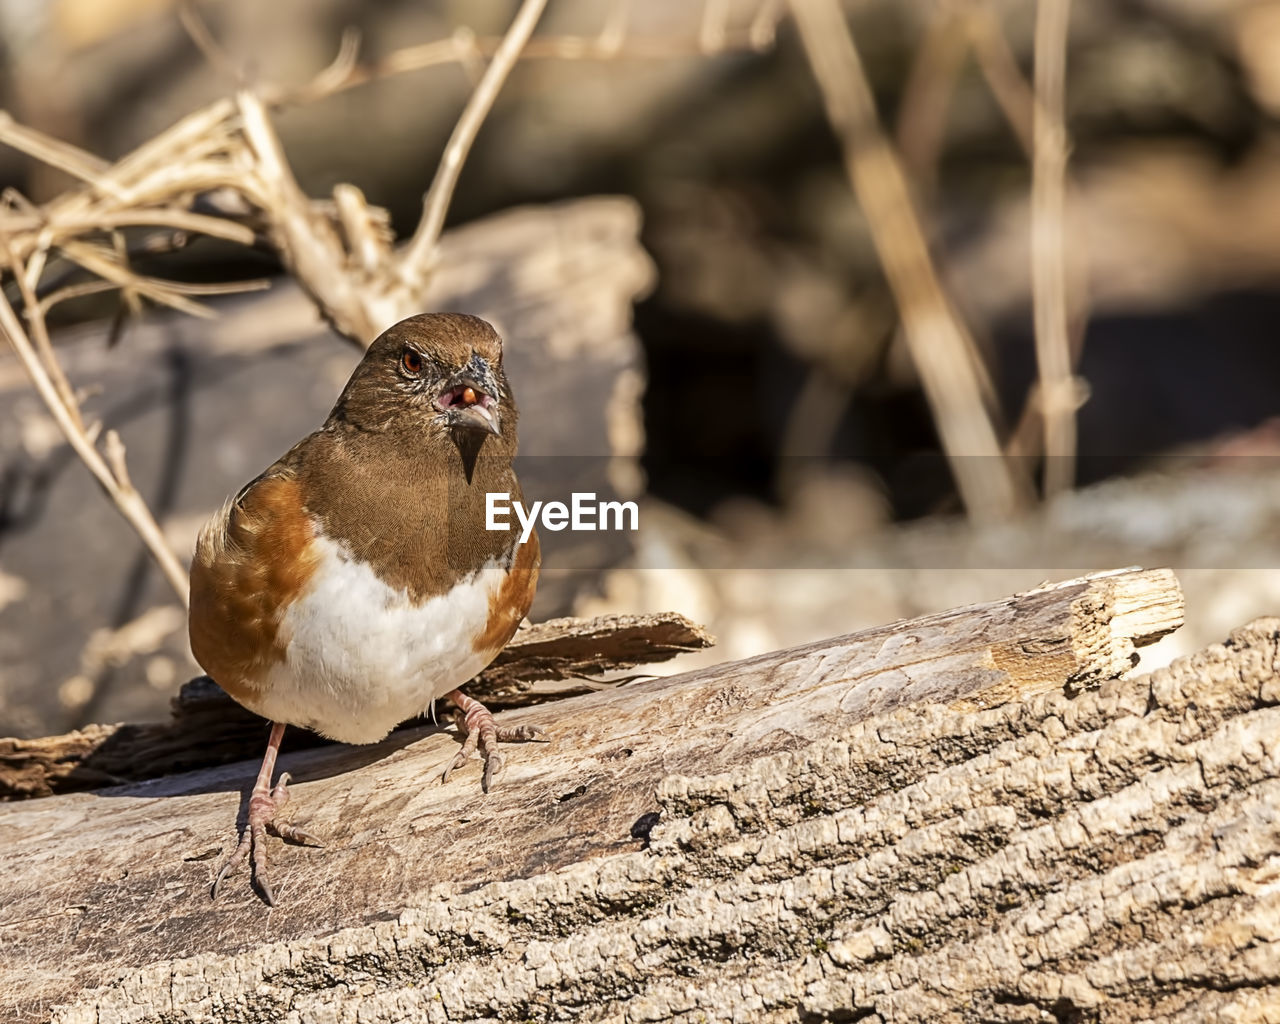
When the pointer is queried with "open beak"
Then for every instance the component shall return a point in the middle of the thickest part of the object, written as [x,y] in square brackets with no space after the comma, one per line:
[469,406]
[476,417]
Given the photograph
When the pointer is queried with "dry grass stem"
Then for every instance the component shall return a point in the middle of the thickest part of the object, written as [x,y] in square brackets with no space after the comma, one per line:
[926,96]
[941,348]
[609,44]
[420,252]
[763,32]
[62,155]
[1017,100]
[66,413]
[43,345]
[199,33]
[340,70]
[75,291]
[1058,392]
[107,264]
[1000,70]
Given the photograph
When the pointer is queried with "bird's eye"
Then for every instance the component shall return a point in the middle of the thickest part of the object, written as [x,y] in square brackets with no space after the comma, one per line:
[411,361]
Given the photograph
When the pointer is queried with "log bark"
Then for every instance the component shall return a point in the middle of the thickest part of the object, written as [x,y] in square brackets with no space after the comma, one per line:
[543,662]
[940,820]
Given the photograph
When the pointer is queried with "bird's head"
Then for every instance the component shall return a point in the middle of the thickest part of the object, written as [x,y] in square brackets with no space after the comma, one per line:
[436,376]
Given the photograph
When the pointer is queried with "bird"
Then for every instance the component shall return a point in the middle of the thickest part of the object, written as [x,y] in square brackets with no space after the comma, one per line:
[355,582]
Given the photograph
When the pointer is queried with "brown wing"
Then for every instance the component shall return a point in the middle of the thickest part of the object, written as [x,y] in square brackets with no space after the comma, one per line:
[511,603]
[252,559]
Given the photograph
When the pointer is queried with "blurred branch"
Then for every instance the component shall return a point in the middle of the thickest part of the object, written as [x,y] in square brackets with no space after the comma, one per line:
[927,93]
[54,152]
[941,348]
[764,26]
[920,130]
[615,26]
[609,44]
[341,68]
[418,256]
[198,31]
[1000,70]
[1058,399]
[958,27]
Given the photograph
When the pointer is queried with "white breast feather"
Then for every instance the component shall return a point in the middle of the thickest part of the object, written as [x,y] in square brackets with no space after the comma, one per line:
[361,657]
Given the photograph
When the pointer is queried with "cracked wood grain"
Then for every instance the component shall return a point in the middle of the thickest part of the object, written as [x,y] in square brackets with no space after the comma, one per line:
[795,834]
[208,728]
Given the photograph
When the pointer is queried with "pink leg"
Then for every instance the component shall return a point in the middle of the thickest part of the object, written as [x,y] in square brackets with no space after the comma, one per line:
[264,804]
[483,732]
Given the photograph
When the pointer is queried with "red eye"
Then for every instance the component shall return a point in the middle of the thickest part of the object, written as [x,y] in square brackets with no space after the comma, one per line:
[411,361]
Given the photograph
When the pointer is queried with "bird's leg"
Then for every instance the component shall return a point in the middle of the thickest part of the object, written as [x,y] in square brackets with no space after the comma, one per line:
[264,804]
[483,732]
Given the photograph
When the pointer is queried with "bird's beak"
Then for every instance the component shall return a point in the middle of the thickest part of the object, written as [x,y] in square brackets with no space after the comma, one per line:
[479,416]
[469,401]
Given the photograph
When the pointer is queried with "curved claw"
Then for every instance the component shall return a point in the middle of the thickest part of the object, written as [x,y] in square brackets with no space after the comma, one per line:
[298,836]
[462,756]
[493,765]
[263,808]
[483,734]
[231,860]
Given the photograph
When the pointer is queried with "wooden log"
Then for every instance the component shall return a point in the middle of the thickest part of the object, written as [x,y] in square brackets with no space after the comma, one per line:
[731,842]
[208,728]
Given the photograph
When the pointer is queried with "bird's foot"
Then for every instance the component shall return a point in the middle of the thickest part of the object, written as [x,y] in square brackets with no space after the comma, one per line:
[484,734]
[264,806]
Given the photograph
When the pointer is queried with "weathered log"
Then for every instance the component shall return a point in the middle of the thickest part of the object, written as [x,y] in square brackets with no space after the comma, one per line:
[1105,855]
[208,728]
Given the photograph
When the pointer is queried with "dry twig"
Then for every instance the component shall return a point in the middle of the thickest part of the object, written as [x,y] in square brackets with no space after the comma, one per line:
[1048,240]
[610,44]
[1000,70]
[926,95]
[418,256]
[957,28]
[230,147]
[61,403]
[920,133]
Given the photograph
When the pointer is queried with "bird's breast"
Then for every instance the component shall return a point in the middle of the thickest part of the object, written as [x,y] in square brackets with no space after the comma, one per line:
[361,656]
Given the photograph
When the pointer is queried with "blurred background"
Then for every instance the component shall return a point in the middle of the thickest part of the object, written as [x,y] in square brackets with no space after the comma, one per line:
[764,401]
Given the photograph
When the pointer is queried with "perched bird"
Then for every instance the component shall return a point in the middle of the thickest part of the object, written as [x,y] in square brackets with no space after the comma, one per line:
[354,582]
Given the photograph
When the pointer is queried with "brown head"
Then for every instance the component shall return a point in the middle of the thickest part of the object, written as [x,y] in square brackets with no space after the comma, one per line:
[436,377]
